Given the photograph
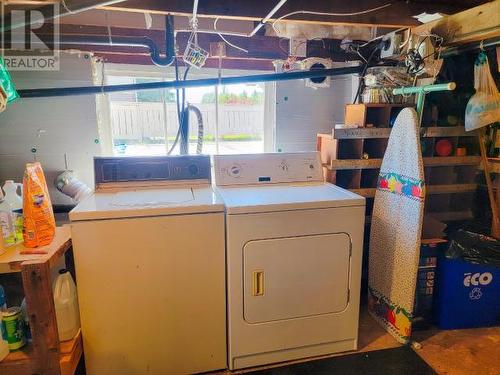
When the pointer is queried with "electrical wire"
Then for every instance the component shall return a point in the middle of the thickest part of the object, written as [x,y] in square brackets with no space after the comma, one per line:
[363,73]
[327,14]
[180,111]
[224,39]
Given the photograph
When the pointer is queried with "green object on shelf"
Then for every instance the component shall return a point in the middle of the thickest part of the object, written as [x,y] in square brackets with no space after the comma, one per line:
[421,91]
[6,83]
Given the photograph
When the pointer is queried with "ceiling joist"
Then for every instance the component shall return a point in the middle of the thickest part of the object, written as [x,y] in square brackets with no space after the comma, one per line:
[399,14]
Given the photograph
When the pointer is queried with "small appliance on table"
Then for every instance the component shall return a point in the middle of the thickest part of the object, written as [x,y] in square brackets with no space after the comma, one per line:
[294,249]
[150,267]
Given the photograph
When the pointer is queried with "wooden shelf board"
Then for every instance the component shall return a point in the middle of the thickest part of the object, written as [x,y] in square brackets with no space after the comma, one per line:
[21,361]
[429,132]
[382,105]
[438,161]
[451,215]
[430,189]
[11,260]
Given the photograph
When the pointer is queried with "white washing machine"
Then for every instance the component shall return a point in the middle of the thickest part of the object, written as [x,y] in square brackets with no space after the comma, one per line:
[150,267]
[294,249]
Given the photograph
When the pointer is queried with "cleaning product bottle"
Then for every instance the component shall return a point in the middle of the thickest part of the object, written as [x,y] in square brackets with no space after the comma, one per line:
[66,304]
[4,345]
[7,225]
[15,201]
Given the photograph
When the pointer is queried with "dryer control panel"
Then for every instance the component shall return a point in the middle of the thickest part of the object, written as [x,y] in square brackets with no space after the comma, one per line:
[269,168]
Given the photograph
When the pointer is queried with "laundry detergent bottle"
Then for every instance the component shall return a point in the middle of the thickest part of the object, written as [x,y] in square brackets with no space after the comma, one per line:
[66,304]
[15,201]
[7,225]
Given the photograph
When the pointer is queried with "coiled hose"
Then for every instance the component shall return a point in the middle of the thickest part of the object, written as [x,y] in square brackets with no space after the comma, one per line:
[184,130]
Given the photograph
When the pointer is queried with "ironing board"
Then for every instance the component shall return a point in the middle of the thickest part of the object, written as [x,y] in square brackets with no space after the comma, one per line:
[396,229]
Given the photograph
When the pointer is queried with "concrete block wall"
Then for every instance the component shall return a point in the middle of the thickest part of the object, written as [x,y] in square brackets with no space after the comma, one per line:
[52,131]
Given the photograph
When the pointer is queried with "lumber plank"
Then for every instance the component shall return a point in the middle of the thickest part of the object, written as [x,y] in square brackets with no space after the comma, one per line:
[398,14]
[430,132]
[40,303]
[471,25]
[12,259]
[430,189]
[437,161]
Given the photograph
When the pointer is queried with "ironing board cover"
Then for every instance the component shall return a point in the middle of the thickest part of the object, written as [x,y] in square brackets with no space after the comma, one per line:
[396,229]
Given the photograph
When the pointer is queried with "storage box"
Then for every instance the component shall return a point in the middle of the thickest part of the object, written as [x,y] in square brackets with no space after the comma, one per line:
[424,294]
[466,295]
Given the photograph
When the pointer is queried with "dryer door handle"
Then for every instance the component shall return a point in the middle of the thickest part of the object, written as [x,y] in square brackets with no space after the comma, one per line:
[258,283]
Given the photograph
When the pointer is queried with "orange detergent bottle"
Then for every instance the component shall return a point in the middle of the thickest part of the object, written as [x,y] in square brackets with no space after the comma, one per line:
[39,225]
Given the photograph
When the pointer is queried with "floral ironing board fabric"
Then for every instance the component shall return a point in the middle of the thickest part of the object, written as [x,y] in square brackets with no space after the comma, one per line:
[396,229]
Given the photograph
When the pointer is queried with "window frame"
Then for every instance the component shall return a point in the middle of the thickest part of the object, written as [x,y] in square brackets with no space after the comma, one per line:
[103,70]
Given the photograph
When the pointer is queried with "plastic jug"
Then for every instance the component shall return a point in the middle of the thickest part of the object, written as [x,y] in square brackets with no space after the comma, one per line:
[7,225]
[66,304]
[14,200]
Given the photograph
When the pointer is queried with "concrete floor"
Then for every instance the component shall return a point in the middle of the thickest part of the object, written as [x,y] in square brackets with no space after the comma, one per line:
[456,352]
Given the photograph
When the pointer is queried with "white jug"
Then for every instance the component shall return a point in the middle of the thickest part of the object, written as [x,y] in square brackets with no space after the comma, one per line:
[14,200]
[66,304]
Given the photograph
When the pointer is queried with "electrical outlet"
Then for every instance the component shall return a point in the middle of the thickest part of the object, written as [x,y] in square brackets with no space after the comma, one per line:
[298,47]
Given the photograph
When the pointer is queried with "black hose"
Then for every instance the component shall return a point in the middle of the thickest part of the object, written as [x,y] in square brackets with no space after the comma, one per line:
[275,77]
[201,130]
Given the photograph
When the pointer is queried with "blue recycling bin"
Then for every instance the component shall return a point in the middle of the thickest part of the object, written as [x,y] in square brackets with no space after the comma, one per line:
[467,295]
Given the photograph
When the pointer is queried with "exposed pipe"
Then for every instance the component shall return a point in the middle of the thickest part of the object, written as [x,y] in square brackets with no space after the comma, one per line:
[65,9]
[469,47]
[102,40]
[195,12]
[89,90]
[267,17]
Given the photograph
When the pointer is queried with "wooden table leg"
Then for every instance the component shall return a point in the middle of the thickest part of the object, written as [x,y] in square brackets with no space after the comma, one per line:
[41,310]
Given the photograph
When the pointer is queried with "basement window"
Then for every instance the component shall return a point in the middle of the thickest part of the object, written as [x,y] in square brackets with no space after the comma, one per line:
[146,122]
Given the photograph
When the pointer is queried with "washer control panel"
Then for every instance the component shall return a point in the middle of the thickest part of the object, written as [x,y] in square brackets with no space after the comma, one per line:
[247,169]
[127,169]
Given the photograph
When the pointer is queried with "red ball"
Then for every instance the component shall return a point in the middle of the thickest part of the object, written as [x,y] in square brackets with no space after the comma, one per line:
[444,147]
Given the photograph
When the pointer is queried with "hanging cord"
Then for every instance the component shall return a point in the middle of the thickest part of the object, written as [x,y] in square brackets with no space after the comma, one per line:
[224,39]
[180,113]
[327,14]
[363,73]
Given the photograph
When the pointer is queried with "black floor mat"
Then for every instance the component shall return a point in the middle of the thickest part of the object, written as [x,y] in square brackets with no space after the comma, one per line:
[398,361]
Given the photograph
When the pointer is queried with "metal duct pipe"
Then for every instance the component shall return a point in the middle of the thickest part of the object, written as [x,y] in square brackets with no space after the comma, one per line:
[69,7]
[89,90]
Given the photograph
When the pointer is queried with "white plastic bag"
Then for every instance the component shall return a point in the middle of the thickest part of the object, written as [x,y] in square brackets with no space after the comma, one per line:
[483,107]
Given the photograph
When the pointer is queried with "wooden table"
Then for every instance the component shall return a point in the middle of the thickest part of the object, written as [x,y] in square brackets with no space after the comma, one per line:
[44,354]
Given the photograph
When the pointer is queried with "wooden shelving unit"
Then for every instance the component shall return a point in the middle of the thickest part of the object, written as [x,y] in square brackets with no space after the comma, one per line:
[44,354]
[352,158]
